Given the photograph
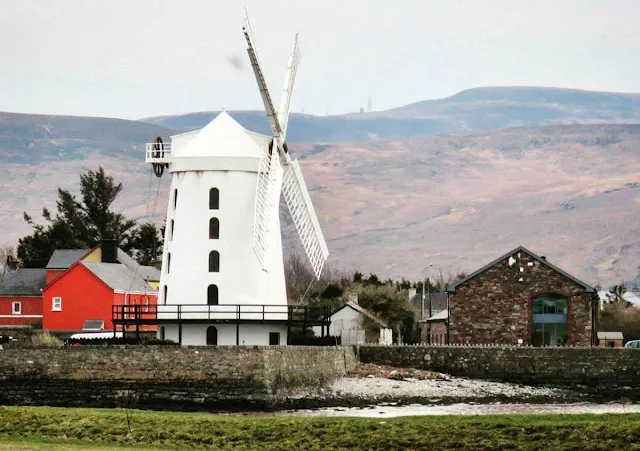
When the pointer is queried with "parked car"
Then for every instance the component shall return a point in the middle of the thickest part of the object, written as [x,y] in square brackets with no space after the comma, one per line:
[633,344]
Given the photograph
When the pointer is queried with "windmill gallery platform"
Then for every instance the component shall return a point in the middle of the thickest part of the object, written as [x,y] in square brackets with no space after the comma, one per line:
[222,279]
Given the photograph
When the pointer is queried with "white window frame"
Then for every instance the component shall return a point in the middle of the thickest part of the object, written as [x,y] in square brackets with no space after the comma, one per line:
[13,308]
[56,300]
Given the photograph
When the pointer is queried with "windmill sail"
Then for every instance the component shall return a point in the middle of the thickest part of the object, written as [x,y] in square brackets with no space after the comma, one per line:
[304,217]
[267,201]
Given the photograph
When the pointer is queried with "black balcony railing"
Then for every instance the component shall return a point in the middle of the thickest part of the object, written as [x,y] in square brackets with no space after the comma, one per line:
[232,313]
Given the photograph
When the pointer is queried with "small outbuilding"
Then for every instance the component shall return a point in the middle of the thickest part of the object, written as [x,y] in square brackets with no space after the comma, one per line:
[610,339]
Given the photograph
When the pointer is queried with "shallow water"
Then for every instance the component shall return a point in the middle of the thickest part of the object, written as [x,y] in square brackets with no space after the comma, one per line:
[388,411]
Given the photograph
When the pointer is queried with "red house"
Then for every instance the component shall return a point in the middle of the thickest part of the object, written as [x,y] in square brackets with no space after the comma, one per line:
[84,293]
[21,297]
[61,260]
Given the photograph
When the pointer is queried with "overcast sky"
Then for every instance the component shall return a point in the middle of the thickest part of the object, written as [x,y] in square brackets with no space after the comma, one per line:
[132,59]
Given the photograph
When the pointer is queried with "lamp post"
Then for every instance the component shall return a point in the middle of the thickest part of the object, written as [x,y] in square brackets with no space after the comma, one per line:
[424,287]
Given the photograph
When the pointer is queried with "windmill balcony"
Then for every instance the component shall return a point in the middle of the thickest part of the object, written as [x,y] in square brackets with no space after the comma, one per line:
[158,153]
[231,313]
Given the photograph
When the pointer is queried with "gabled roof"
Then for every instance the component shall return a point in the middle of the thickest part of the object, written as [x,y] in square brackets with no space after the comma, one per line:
[146,272]
[363,311]
[440,316]
[610,336]
[64,258]
[543,261]
[23,282]
[118,277]
[438,301]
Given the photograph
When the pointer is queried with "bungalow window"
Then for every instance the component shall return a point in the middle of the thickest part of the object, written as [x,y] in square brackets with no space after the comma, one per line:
[214,261]
[214,199]
[16,308]
[56,304]
[214,229]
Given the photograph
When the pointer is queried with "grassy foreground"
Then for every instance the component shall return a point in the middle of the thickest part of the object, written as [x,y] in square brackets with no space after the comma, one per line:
[59,428]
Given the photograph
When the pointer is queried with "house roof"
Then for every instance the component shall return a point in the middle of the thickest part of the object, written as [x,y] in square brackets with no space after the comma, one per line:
[440,316]
[146,272]
[363,311]
[23,282]
[438,301]
[610,336]
[543,261]
[64,258]
[118,277]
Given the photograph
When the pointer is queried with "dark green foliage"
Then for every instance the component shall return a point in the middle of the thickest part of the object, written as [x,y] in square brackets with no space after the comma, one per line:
[81,224]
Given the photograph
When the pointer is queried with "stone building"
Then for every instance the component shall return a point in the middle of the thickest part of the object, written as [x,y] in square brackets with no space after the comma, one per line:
[521,298]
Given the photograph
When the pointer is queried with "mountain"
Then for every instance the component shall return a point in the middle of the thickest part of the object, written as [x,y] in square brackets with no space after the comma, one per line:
[457,201]
[473,109]
[37,139]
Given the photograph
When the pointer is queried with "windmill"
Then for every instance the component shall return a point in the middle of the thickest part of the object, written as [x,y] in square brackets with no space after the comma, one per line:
[278,173]
[222,280]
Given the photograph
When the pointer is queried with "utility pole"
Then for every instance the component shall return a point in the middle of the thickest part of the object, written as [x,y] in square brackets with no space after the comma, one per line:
[424,288]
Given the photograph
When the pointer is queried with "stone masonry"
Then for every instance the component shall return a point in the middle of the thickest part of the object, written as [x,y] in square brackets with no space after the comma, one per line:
[168,377]
[494,306]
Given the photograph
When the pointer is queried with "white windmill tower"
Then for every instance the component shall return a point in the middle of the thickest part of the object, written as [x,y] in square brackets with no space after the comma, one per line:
[222,276]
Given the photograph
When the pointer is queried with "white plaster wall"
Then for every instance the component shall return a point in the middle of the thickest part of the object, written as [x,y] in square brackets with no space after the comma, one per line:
[241,279]
[344,319]
[250,334]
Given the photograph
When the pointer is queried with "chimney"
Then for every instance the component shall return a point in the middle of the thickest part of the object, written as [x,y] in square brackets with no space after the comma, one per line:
[109,248]
[353,297]
[412,293]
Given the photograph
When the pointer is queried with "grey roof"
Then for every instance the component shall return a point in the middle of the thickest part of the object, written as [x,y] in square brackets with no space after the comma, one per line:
[23,282]
[610,336]
[146,272]
[438,301]
[364,311]
[588,288]
[118,276]
[64,258]
[440,316]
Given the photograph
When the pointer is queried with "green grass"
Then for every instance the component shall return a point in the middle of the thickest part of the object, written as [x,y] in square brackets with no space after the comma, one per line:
[58,428]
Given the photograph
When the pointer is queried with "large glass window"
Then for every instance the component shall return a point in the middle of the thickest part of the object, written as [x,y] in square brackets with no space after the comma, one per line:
[549,319]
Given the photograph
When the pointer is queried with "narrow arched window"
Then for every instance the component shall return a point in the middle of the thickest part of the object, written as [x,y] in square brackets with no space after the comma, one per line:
[214,261]
[214,229]
[164,295]
[168,262]
[212,336]
[214,199]
[171,231]
[175,198]
[212,294]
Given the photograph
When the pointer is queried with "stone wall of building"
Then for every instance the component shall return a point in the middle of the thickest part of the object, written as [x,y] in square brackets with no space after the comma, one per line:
[597,367]
[433,332]
[167,377]
[494,307]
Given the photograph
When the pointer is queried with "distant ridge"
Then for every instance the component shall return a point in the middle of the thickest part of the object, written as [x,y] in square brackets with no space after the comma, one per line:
[472,109]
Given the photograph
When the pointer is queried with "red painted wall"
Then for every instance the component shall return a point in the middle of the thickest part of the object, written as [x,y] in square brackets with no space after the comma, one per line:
[84,297]
[31,306]
[53,274]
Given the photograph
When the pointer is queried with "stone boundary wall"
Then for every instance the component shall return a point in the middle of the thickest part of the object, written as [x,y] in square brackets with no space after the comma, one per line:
[168,377]
[593,367]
